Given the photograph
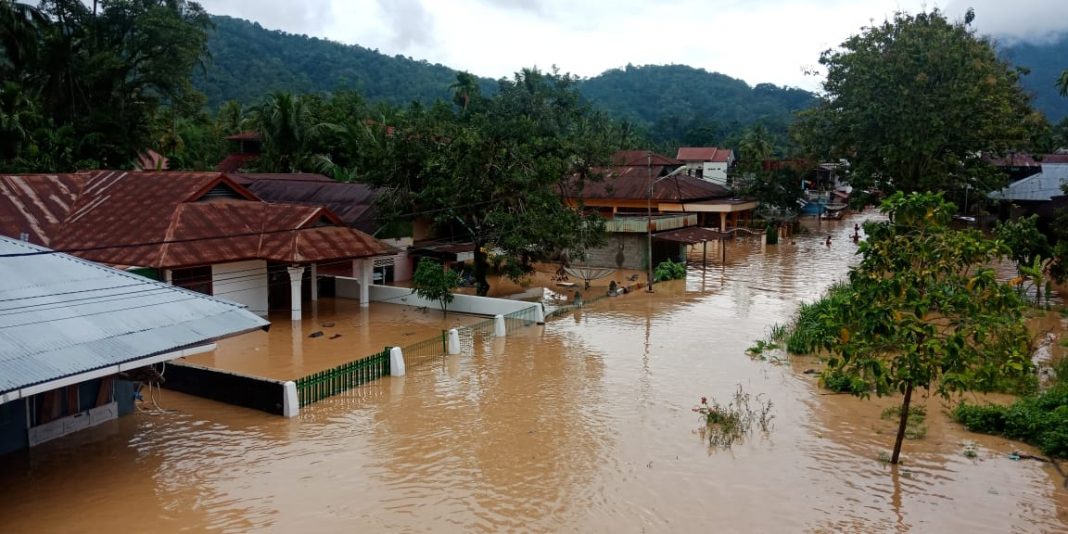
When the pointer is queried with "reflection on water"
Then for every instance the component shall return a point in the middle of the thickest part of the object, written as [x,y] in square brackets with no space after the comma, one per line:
[582,426]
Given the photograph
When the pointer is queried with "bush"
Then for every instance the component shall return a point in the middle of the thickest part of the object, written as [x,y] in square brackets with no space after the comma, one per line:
[839,382]
[669,270]
[810,329]
[1041,420]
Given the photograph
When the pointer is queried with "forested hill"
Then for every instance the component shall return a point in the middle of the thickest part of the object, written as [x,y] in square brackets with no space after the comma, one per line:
[249,61]
[672,103]
[693,105]
[1046,62]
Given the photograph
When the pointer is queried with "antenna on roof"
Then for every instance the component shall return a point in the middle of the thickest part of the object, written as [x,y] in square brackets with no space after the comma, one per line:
[24,236]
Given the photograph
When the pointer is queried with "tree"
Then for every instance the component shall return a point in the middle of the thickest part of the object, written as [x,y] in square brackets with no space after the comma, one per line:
[922,310]
[912,102]
[496,175]
[464,89]
[432,281]
[289,132]
[1062,83]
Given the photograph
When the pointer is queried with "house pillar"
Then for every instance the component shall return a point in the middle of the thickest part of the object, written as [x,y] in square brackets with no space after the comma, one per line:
[314,282]
[366,268]
[723,221]
[296,276]
[168,277]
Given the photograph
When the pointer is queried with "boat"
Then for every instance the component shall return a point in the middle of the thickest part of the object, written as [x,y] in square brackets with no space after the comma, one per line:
[834,211]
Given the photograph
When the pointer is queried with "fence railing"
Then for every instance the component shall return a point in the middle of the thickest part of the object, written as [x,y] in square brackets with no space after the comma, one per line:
[318,386]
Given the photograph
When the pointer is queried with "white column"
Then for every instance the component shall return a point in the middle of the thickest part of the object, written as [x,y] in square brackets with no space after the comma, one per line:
[367,268]
[539,314]
[314,282]
[454,341]
[396,362]
[168,277]
[499,328]
[296,275]
[290,402]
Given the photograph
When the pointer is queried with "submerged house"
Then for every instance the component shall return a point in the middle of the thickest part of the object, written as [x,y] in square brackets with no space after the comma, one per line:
[198,230]
[1041,193]
[643,190]
[707,162]
[70,329]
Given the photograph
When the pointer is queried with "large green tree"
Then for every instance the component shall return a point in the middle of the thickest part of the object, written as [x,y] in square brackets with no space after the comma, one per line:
[495,175]
[922,310]
[912,102]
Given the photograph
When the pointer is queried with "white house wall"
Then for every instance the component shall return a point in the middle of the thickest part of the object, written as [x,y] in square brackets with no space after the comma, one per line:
[244,282]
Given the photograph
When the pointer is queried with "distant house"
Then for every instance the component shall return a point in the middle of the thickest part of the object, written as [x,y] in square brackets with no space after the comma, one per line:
[1040,193]
[202,231]
[69,328]
[708,163]
[681,209]
[245,150]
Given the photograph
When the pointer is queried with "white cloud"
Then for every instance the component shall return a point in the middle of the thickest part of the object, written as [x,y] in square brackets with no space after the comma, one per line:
[756,40]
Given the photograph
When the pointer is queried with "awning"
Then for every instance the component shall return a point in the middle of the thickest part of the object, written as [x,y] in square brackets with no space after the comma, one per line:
[444,251]
[690,235]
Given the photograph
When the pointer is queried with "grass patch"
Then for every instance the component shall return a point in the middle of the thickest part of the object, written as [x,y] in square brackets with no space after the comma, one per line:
[915,427]
[725,424]
[1040,419]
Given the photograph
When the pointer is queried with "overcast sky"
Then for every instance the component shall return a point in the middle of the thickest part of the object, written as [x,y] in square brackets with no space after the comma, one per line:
[758,41]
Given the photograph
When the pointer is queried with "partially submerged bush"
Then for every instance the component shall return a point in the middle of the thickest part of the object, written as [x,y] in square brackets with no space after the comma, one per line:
[1041,420]
[839,382]
[669,270]
[726,424]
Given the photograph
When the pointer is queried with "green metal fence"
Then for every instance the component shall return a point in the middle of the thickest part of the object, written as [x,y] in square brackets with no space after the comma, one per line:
[318,386]
[426,350]
[521,319]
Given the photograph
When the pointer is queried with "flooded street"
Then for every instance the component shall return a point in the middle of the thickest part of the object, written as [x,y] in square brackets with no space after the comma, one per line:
[584,425]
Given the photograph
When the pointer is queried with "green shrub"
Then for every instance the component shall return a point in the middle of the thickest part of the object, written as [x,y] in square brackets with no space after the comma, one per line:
[839,382]
[1041,420]
[669,270]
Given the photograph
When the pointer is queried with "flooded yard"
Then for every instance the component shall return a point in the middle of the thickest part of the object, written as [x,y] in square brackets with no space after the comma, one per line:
[583,425]
[333,332]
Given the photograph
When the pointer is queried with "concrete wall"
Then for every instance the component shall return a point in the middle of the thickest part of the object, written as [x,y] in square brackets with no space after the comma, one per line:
[715,172]
[402,264]
[461,303]
[262,394]
[633,247]
[244,282]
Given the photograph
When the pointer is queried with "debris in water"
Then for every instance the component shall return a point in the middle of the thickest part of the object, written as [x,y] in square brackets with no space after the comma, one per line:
[335,336]
[317,333]
[327,325]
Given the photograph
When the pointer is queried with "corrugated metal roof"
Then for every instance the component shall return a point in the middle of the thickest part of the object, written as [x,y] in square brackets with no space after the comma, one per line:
[61,316]
[640,158]
[169,220]
[1039,187]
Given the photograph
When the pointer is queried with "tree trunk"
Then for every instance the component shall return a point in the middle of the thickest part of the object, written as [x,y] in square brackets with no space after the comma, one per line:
[902,424]
[481,268]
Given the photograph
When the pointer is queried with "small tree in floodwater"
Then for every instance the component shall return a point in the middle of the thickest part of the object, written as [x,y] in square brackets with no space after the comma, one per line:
[433,281]
[922,310]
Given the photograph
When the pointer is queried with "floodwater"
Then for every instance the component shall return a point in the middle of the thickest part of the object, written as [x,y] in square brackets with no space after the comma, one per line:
[332,332]
[584,425]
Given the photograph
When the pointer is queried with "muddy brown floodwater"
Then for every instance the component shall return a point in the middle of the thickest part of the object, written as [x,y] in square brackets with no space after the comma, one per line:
[584,425]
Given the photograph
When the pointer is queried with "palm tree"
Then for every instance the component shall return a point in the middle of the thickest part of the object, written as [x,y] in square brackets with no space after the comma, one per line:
[1062,83]
[20,28]
[464,89]
[289,132]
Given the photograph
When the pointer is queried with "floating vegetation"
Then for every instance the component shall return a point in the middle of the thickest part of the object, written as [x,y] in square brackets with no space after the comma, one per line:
[726,424]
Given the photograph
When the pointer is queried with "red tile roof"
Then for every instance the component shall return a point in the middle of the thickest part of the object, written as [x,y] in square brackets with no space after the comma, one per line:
[354,203]
[710,153]
[1055,158]
[172,219]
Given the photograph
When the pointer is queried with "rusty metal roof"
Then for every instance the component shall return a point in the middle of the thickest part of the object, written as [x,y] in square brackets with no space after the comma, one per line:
[248,135]
[179,219]
[705,153]
[353,203]
[34,204]
[235,162]
[62,316]
[690,235]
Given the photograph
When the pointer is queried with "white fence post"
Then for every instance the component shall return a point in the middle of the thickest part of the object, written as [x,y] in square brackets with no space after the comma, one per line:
[539,314]
[454,341]
[499,328]
[396,362]
[290,402]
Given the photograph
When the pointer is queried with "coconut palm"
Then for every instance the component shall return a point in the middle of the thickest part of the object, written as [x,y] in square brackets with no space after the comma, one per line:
[20,27]
[289,131]
[1062,83]
[464,89]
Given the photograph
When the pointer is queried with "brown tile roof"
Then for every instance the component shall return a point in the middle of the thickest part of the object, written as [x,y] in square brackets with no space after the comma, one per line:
[178,219]
[34,204]
[710,153]
[642,158]
[235,162]
[632,183]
